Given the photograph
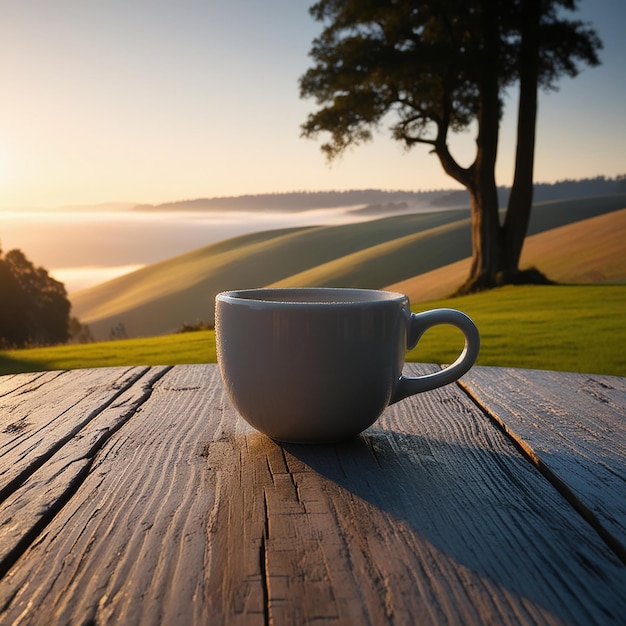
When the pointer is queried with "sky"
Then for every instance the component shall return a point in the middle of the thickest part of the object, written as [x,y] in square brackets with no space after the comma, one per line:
[150,101]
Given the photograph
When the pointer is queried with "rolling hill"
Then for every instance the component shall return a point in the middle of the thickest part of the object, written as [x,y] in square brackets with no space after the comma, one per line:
[423,249]
[589,251]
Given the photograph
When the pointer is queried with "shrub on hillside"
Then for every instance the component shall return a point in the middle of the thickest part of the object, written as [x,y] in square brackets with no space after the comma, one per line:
[199,325]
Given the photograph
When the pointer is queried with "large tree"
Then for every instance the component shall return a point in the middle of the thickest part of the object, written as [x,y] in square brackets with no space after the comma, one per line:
[434,68]
[35,308]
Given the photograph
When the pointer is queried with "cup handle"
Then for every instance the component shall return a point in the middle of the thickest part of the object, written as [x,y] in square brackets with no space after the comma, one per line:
[419,323]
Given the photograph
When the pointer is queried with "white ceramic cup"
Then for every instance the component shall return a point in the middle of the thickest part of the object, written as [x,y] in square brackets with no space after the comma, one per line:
[321,365]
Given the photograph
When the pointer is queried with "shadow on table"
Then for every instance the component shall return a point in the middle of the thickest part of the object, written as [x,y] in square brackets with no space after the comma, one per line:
[489,511]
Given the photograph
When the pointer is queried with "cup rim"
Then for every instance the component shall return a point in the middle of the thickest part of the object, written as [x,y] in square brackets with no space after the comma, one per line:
[308,296]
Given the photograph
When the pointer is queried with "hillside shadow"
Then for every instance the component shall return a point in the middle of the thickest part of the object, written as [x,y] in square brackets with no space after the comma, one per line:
[489,512]
[11,365]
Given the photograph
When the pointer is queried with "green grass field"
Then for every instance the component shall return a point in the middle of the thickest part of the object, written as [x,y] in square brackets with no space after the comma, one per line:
[566,328]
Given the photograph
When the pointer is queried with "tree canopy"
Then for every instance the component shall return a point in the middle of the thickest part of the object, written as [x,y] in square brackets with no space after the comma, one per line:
[34,306]
[428,69]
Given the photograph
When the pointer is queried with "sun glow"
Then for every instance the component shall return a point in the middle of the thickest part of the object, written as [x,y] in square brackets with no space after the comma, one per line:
[6,169]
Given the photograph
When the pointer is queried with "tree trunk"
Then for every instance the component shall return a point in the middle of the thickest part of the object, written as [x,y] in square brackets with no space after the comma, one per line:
[521,197]
[486,229]
[479,179]
[486,239]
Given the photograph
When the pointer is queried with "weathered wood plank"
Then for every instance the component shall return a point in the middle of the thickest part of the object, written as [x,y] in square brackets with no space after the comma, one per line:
[27,510]
[131,546]
[573,426]
[188,516]
[39,417]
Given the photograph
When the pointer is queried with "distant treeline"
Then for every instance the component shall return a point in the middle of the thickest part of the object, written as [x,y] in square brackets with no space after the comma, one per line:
[543,192]
[295,200]
[304,200]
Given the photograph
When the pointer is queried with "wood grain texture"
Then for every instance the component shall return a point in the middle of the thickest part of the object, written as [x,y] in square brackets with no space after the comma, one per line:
[38,489]
[129,546]
[572,426]
[188,516]
[41,415]
[10,383]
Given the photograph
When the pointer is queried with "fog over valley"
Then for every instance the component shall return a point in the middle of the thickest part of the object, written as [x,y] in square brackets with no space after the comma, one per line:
[82,247]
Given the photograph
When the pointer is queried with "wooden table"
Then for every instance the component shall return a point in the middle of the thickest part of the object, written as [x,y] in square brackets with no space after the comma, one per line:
[138,496]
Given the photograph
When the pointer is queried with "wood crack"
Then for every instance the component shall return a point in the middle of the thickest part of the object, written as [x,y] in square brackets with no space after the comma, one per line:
[31,384]
[372,448]
[529,453]
[291,475]
[265,583]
